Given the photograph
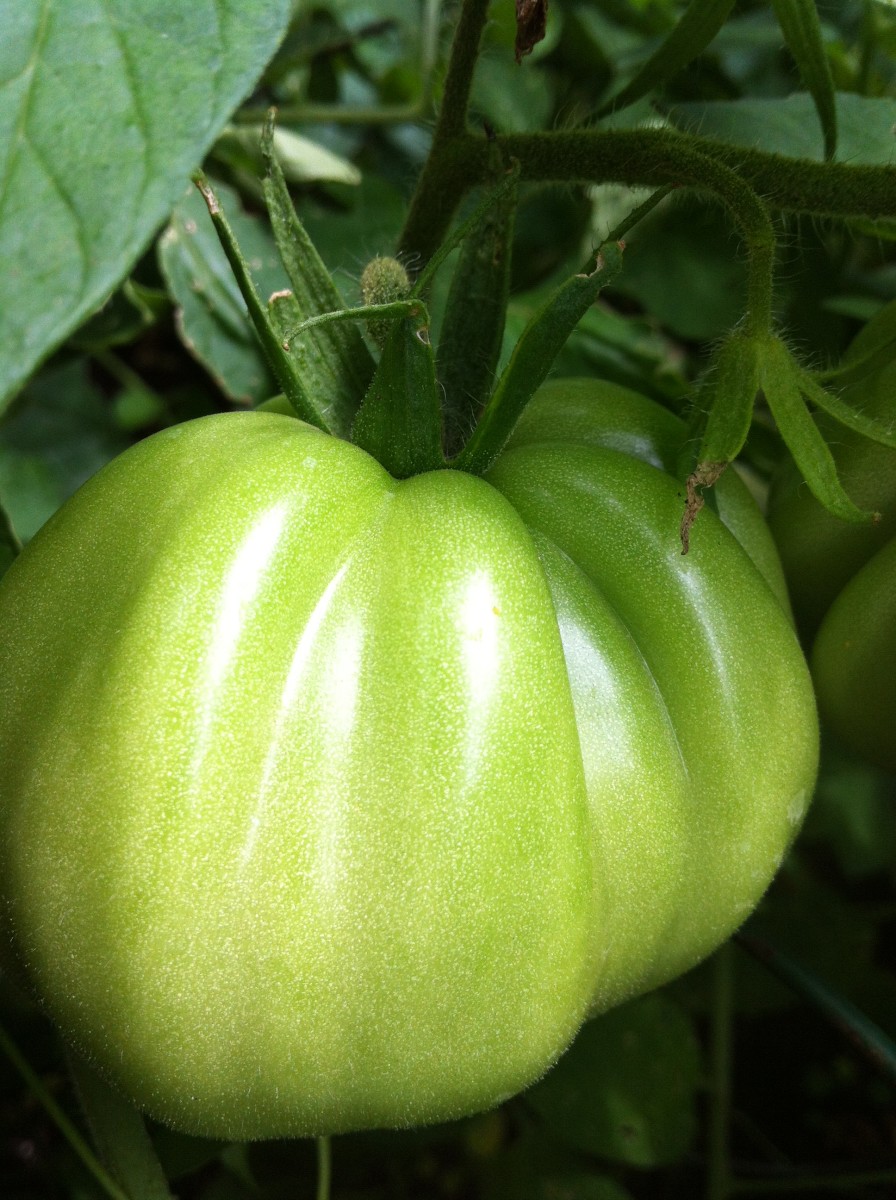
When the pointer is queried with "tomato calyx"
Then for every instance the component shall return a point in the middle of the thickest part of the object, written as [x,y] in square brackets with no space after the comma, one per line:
[398,415]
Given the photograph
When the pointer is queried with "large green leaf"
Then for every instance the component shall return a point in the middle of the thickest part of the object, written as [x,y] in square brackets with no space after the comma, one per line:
[802,32]
[790,126]
[61,433]
[699,24]
[105,106]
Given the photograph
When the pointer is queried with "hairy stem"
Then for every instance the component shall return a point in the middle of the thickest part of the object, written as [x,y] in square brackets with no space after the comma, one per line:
[648,157]
[443,183]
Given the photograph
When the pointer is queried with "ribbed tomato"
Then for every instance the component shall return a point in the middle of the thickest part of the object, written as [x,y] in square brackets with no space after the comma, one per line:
[332,801]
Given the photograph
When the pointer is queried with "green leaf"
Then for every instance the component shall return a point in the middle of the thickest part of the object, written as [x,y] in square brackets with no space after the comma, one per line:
[106,107]
[301,160]
[400,421]
[877,337]
[512,100]
[119,1135]
[782,384]
[682,271]
[211,314]
[537,1167]
[129,311]
[61,432]
[334,363]
[627,1088]
[789,126]
[534,355]
[802,32]
[699,24]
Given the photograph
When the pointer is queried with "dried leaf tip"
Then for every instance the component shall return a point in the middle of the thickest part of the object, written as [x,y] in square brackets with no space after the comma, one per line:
[531,22]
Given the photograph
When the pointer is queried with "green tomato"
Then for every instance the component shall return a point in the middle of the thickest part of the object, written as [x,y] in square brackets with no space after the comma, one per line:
[331,801]
[854,661]
[842,579]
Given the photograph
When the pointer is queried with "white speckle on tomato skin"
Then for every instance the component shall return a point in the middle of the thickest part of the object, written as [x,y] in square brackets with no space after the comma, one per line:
[796,809]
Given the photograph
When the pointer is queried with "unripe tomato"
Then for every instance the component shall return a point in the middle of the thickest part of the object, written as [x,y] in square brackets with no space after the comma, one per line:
[331,801]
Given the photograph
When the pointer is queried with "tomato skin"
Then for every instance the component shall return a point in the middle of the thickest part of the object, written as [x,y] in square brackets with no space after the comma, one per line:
[854,660]
[334,802]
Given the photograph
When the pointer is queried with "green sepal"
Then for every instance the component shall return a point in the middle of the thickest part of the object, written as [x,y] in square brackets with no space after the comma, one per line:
[722,418]
[285,371]
[729,397]
[870,351]
[802,33]
[336,362]
[699,24]
[845,414]
[782,384]
[533,356]
[473,326]
[400,420]
[508,185]
[853,370]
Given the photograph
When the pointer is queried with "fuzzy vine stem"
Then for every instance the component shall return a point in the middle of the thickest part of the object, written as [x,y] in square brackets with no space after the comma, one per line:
[642,157]
[431,200]
[452,119]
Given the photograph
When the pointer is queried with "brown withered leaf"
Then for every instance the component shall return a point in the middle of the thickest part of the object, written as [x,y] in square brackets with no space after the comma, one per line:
[531,19]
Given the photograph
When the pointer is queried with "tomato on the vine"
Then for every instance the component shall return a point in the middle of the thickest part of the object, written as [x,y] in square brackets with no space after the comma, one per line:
[332,801]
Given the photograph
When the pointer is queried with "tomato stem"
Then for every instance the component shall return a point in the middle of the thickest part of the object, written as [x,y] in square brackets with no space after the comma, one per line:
[450,124]
[324,1168]
[718,1182]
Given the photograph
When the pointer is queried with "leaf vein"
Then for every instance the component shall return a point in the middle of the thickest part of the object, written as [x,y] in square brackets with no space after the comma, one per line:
[19,138]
